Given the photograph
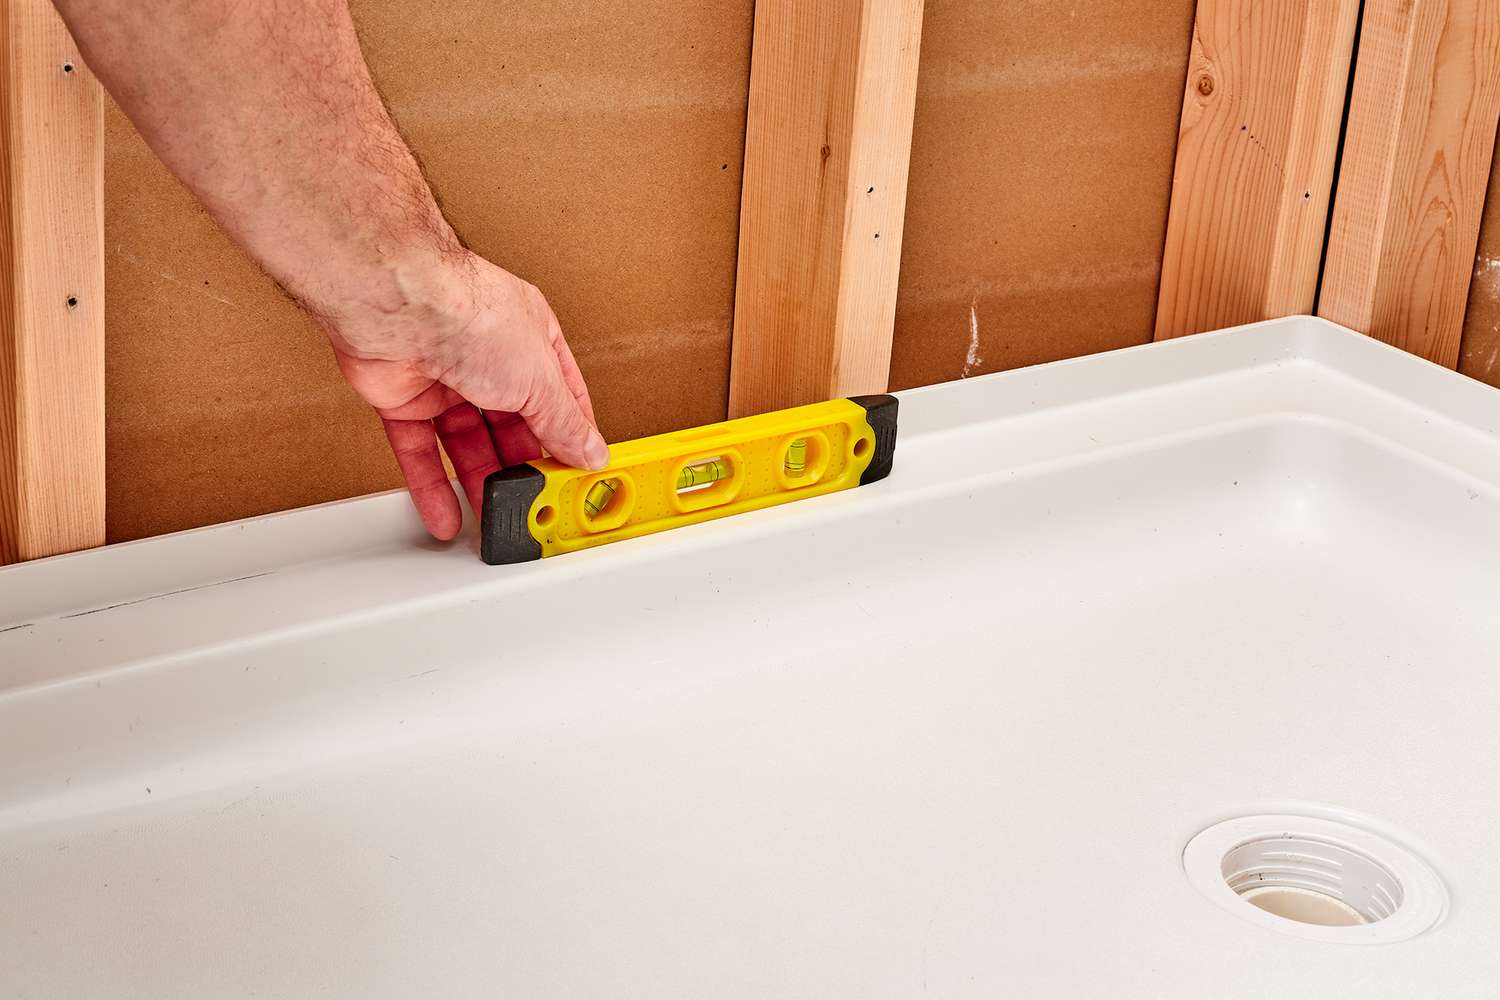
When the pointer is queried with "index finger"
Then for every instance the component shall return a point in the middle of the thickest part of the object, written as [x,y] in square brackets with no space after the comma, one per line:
[572,376]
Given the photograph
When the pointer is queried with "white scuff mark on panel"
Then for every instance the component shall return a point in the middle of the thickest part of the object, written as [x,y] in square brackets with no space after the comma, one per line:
[972,359]
[171,278]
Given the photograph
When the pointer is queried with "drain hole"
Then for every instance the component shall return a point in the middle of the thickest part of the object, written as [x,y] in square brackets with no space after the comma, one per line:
[1304,906]
[1312,881]
[1317,877]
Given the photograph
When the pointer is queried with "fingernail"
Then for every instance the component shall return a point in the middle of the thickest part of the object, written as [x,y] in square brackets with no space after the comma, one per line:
[596,452]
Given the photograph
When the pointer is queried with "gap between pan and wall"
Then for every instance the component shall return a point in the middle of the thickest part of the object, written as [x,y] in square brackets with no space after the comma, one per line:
[1338,154]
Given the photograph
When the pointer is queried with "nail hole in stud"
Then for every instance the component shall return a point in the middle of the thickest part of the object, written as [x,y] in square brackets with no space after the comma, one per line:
[72,302]
[67,67]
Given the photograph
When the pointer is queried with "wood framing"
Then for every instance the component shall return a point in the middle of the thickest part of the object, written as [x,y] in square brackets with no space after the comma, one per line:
[1257,147]
[1417,155]
[51,289]
[827,149]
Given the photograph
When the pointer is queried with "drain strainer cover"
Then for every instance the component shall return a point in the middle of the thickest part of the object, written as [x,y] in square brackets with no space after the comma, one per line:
[1316,878]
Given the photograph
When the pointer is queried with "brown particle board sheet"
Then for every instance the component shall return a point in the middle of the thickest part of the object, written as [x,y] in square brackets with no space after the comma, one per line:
[594,148]
[1041,171]
[1479,355]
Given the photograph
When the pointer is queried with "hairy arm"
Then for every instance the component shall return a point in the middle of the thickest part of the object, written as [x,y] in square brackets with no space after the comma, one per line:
[266,110]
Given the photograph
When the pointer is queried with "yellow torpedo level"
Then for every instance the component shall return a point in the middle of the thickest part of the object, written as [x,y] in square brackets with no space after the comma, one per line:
[544,508]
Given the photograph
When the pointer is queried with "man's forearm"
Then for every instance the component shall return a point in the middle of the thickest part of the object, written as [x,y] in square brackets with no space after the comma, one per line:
[265,109]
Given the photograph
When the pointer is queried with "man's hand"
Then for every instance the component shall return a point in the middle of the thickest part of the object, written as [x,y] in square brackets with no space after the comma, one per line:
[266,110]
[482,363]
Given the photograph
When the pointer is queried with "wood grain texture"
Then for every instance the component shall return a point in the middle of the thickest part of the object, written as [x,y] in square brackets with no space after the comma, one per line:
[1041,171]
[1256,153]
[51,290]
[1420,139]
[593,148]
[827,152]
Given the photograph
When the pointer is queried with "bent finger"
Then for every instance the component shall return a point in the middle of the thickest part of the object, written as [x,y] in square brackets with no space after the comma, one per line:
[514,442]
[466,439]
[415,446]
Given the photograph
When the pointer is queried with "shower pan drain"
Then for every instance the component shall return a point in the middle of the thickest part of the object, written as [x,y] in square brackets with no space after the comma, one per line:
[1316,878]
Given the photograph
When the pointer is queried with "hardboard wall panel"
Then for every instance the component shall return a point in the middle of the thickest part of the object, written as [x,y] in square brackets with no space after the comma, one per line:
[1479,355]
[1041,171]
[593,148]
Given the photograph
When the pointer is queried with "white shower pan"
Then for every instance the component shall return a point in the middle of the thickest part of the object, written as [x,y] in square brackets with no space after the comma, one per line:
[953,733]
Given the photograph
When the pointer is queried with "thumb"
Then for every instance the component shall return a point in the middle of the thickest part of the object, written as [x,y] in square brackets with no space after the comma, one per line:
[560,424]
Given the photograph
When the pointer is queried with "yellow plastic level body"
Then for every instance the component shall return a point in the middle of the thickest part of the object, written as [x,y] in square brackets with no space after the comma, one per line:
[686,477]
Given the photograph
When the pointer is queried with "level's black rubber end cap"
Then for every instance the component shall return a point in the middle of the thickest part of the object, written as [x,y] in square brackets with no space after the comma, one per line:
[880,413]
[504,524]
